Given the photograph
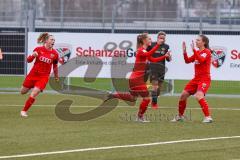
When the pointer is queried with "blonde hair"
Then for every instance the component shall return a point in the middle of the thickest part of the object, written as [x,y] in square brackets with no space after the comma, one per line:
[43,37]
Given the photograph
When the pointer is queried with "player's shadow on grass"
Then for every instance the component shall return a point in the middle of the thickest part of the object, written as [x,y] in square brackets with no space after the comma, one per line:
[62,109]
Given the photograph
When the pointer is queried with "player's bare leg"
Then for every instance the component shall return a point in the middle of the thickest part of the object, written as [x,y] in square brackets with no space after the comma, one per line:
[24,90]
[121,95]
[35,92]
[181,106]
[204,105]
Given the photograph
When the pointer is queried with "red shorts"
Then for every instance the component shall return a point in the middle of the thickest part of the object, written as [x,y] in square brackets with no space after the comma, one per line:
[137,86]
[34,81]
[197,85]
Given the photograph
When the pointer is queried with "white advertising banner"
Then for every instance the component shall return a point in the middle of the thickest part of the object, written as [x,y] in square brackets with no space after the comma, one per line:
[106,47]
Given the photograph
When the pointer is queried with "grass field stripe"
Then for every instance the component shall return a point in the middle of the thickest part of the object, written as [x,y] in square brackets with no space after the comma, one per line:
[116,147]
[166,95]
[78,106]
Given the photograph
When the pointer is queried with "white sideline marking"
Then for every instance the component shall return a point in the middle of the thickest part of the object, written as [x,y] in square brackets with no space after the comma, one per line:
[115,147]
[78,106]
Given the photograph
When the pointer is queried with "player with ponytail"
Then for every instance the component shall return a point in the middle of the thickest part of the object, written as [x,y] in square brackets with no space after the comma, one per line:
[137,85]
[45,58]
[200,84]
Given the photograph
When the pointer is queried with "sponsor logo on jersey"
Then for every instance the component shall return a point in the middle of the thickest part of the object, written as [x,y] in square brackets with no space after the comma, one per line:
[204,55]
[163,51]
[218,56]
[45,59]
[52,55]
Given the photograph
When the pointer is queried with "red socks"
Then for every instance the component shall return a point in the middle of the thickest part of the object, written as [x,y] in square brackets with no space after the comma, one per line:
[28,104]
[202,102]
[204,106]
[143,107]
[182,107]
[124,96]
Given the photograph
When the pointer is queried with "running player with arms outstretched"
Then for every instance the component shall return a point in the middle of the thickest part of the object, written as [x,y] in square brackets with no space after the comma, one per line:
[200,84]
[45,58]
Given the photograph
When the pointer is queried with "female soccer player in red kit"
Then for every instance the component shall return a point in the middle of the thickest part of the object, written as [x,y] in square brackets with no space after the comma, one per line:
[136,81]
[45,58]
[200,84]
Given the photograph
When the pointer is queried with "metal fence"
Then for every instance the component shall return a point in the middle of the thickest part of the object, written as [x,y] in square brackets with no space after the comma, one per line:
[122,14]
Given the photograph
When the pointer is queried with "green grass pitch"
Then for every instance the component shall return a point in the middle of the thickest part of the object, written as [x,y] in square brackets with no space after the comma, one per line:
[42,131]
[217,87]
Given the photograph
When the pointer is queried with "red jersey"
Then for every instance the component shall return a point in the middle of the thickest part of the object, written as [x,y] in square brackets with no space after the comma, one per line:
[202,60]
[136,80]
[44,62]
[142,56]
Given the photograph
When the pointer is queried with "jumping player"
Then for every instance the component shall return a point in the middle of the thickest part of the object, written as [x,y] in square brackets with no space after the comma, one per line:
[157,70]
[45,58]
[200,84]
[137,84]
